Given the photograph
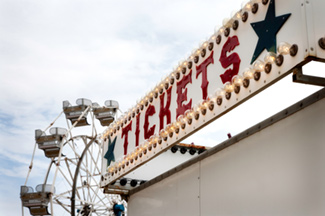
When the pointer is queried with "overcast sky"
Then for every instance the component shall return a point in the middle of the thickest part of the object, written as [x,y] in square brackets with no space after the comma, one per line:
[52,51]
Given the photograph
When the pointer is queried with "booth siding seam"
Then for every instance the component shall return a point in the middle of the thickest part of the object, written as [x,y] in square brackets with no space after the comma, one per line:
[235,139]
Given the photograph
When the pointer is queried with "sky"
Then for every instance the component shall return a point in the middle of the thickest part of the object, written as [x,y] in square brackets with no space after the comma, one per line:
[51,51]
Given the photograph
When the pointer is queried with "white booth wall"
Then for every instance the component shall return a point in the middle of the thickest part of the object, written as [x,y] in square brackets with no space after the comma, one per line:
[279,170]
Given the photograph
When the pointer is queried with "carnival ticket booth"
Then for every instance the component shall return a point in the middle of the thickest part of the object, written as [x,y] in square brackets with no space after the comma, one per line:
[272,168]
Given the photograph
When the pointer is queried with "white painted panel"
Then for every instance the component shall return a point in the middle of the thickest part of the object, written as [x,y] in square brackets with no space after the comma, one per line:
[176,195]
[315,18]
[277,171]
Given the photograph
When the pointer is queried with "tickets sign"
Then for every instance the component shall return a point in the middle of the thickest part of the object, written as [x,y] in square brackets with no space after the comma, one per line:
[256,47]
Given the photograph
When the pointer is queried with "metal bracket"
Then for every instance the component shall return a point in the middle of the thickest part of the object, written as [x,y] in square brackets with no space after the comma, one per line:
[299,77]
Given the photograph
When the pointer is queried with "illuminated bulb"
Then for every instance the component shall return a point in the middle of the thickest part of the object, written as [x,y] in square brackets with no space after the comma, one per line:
[156,90]
[153,139]
[226,22]
[201,43]
[182,121]
[248,73]
[284,48]
[237,80]
[221,30]
[188,114]
[140,148]
[213,37]
[161,85]
[228,87]
[168,126]
[270,57]
[203,107]
[205,44]
[146,144]
[236,15]
[196,107]
[216,29]
[163,133]
[203,104]
[171,130]
[176,124]
[258,65]
[211,97]
[220,92]
[247,6]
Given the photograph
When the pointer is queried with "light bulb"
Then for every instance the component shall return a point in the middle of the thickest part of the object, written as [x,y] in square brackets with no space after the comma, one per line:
[182,120]
[270,57]
[237,80]
[248,73]
[284,48]
[189,114]
[258,65]
[213,37]
[217,28]
[228,87]
[219,92]
[163,133]
[221,30]
[154,138]
[247,6]
[226,22]
[236,15]
[168,126]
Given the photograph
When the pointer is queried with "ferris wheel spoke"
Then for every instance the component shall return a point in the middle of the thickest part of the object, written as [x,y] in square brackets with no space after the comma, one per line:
[68,168]
[64,206]
[64,176]
[99,206]
[73,146]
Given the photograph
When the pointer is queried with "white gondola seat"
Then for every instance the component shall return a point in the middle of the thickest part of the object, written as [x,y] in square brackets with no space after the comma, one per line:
[106,113]
[38,201]
[74,112]
[50,144]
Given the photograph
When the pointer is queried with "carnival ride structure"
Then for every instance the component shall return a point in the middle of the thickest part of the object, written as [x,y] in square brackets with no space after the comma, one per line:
[71,182]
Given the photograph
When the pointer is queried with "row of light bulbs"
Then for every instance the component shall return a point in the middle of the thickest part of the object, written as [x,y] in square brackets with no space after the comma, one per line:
[186,65]
[200,109]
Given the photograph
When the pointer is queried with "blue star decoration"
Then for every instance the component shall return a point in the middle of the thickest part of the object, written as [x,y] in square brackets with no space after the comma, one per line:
[267,30]
[110,151]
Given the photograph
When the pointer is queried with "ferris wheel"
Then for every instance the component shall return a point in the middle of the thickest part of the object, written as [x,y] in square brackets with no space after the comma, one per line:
[71,184]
